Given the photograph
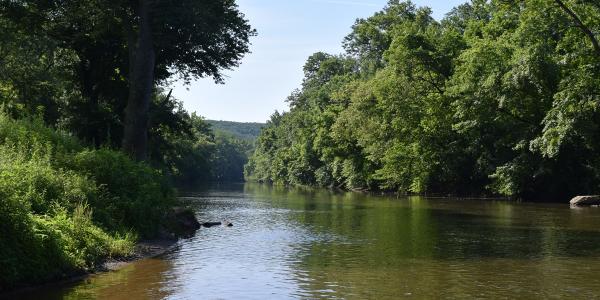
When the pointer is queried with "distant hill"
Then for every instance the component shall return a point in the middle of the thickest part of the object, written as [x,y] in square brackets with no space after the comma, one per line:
[241,130]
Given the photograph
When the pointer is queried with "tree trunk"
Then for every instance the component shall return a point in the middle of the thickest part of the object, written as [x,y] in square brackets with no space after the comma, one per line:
[141,81]
[91,130]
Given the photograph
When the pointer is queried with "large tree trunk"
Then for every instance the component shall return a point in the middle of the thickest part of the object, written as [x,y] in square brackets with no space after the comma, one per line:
[141,81]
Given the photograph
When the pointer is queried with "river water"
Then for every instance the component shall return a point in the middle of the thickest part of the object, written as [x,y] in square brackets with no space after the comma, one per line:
[300,243]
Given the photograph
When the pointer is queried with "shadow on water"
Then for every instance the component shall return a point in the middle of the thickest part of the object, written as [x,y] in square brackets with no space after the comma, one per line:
[310,243]
[140,280]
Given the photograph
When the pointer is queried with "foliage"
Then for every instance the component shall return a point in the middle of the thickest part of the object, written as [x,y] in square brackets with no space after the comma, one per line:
[71,60]
[192,152]
[133,196]
[64,207]
[248,131]
[68,64]
[229,158]
[67,198]
[497,98]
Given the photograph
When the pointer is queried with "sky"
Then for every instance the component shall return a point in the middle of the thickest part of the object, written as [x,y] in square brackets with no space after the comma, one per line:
[289,31]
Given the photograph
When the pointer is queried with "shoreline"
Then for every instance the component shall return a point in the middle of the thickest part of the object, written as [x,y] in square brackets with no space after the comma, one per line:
[144,249]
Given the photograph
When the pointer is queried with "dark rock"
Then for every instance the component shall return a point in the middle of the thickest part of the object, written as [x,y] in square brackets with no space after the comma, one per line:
[187,219]
[590,200]
[211,224]
[180,222]
[166,234]
[228,224]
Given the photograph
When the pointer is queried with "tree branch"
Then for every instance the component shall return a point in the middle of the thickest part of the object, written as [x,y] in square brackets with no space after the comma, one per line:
[431,81]
[581,26]
[518,118]
[168,96]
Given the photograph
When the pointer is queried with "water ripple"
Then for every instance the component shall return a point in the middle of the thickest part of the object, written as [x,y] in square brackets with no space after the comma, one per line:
[323,245]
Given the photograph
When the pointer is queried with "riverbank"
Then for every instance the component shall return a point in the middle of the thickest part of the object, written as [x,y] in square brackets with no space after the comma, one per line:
[143,250]
[179,223]
[65,207]
[291,243]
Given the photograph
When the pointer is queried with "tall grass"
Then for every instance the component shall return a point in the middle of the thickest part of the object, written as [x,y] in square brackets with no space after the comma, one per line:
[64,208]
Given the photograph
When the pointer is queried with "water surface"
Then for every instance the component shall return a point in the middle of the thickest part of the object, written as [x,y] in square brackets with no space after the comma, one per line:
[299,243]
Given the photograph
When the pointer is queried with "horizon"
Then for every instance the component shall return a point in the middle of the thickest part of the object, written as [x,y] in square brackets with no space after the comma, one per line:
[206,119]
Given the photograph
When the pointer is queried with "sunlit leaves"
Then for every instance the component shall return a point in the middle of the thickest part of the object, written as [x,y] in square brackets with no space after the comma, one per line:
[501,97]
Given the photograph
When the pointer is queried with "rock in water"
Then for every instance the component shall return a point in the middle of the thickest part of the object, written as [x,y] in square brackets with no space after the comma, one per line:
[180,222]
[585,200]
[210,224]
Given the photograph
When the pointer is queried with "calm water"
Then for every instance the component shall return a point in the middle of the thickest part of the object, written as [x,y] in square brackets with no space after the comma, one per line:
[290,243]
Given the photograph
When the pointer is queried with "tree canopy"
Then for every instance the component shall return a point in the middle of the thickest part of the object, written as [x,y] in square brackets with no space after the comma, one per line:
[497,98]
[112,61]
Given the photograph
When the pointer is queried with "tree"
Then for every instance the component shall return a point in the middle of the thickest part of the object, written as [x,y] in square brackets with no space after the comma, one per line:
[135,45]
[579,23]
[500,97]
[193,38]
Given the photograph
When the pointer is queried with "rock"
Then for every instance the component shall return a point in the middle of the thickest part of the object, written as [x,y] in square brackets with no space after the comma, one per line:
[585,200]
[180,222]
[187,219]
[211,224]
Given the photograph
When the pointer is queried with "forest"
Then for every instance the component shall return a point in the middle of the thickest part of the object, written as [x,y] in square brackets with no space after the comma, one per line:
[248,131]
[92,141]
[499,98]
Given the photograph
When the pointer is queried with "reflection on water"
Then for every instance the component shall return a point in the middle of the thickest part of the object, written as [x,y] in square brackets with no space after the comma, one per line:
[145,279]
[294,243]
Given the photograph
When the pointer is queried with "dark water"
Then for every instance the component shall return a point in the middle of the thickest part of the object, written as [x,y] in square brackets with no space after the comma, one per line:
[290,243]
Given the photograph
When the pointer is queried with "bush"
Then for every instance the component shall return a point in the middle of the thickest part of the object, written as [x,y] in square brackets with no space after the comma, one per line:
[64,208]
[32,135]
[35,181]
[133,195]
[45,223]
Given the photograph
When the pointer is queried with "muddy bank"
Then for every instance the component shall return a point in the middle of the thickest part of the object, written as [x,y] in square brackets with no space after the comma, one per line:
[143,250]
[179,223]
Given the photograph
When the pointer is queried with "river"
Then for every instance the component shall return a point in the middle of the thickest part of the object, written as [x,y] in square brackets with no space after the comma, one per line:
[303,243]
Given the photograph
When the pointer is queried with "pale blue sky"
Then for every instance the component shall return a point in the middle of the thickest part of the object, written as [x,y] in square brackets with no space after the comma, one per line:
[288,32]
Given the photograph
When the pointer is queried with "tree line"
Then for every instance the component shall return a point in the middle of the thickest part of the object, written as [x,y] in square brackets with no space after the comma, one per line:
[248,131]
[499,97]
[100,71]
[92,141]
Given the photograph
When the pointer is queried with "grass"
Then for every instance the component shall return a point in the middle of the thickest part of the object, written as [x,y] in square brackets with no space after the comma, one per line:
[64,208]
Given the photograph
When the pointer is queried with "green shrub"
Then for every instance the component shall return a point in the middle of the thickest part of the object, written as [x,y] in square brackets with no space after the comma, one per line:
[82,243]
[45,225]
[35,181]
[134,196]
[64,208]
[32,136]
[40,247]
[16,237]
[49,168]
